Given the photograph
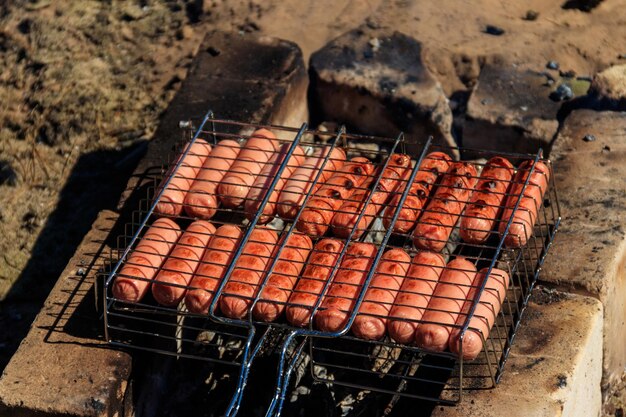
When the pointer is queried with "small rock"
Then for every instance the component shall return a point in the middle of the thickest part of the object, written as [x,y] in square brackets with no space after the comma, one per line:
[589,138]
[494,30]
[80,272]
[553,65]
[563,92]
[375,44]
[567,74]
[531,15]
[606,149]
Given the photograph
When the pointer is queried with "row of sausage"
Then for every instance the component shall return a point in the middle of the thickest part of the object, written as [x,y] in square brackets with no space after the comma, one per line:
[419,301]
[234,176]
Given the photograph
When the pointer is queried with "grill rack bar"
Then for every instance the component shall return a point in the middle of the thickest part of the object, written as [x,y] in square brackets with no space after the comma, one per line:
[523,265]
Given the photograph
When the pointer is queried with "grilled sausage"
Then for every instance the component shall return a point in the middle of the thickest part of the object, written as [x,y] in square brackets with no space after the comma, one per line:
[343,291]
[264,180]
[219,253]
[297,187]
[201,201]
[415,293]
[279,285]
[485,314]
[169,285]
[525,216]
[310,286]
[434,164]
[445,305]
[485,204]
[434,227]
[321,208]
[346,217]
[372,317]
[236,184]
[245,278]
[173,198]
[133,279]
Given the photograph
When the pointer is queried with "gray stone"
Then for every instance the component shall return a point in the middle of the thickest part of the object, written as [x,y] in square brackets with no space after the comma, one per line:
[375,81]
[589,251]
[554,368]
[510,110]
[608,89]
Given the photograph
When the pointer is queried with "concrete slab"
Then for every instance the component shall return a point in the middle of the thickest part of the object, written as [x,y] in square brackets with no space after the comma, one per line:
[554,366]
[589,252]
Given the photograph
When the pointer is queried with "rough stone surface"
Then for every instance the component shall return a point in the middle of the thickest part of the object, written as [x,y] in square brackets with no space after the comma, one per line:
[510,110]
[375,81]
[63,366]
[608,89]
[589,251]
[554,368]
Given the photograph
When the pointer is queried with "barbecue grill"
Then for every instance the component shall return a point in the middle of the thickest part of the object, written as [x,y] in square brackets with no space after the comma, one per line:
[337,358]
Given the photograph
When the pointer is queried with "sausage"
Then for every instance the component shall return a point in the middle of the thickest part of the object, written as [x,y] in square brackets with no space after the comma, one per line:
[297,187]
[180,265]
[434,164]
[345,219]
[236,184]
[485,314]
[485,204]
[371,319]
[245,278]
[133,280]
[320,209]
[434,227]
[343,291]
[415,293]
[526,214]
[445,305]
[201,201]
[173,198]
[264,180]
[279,285]
[309,288]
[219,253]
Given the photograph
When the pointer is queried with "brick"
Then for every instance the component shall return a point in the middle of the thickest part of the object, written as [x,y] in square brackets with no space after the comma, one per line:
[554,368]
[589,251]
[375,81]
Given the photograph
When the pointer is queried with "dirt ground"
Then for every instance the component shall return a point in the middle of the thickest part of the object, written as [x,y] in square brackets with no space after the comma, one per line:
[82,85]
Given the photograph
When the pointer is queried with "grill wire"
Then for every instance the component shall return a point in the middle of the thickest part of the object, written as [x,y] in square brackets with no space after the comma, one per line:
[338,358]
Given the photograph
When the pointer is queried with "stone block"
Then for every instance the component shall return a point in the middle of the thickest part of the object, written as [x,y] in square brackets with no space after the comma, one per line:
[375,81]
[589,251]
[510,110]
[554,368]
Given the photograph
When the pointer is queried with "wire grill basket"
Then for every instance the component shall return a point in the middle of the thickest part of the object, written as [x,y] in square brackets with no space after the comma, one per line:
[381,365]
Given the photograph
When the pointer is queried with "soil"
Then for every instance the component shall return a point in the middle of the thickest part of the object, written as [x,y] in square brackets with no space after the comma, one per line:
[82,86]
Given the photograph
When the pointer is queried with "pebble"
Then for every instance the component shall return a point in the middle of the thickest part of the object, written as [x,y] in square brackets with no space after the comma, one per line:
[531,15]
[494,30]
[563,92]
[553,65]
[567,74]
[589,138]
[375,44]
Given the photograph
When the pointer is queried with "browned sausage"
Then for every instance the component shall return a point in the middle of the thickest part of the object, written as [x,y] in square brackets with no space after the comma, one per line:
[321,208]
[526,214]
[297,187]
[434,164]
[279,285]
[485,314]
[264,180]
[434,227]
[172,199]
[219,253]
[486,202]
[180,265]
[343,291]
[445,305]
[371,320]
[310,286]
[415,293]
[133,279]
[236,184]
[245,278]
[201,201]
[345,218]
